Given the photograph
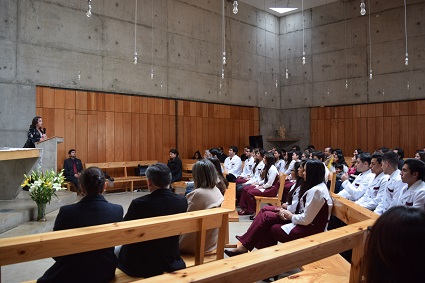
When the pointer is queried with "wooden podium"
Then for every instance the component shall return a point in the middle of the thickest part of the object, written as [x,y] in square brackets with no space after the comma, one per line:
[49,153]
[14,163]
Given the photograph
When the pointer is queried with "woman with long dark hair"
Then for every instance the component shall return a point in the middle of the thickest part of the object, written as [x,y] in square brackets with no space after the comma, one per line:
[35,132]
[268,186]
[311,215]
[395,247]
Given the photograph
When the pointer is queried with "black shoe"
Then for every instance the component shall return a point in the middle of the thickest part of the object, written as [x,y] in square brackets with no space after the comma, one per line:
[232,253]
[252,217]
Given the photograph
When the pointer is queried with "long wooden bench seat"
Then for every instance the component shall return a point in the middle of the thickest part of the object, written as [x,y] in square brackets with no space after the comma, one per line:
[126,177]
[313,253]
[59,243]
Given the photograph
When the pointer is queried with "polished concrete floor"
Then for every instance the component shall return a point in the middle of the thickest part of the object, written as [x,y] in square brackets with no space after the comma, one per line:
[34,269]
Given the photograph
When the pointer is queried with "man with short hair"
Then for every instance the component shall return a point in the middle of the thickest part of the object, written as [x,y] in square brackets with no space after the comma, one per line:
[222,156]
[400,153]
[413,193]
[154,257]
[370,198]
[233,164]
[72,170]
[354,191]
[394,185]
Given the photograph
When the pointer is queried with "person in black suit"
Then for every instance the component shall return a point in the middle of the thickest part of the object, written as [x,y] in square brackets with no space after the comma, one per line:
[151,258]
[175,165]
[72,169]
[93,209]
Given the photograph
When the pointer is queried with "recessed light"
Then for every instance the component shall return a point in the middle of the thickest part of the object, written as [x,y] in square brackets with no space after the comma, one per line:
[283,10]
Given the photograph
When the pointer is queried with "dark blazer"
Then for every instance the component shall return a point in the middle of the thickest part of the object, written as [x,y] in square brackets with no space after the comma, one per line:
[93,266]
[176,169]
[33,136]
[150,258]
[68,166]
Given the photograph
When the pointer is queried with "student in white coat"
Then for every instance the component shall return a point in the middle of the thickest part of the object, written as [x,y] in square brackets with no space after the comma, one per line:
[370,198]
[354,191]
[233,164]
[413,194]
[394,184]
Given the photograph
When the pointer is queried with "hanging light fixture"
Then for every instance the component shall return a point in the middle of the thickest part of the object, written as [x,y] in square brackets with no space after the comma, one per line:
[302,11]
[152,73]
[88,13]
[370,48]
[363,8]
[224,41]
[345,46]
[406,61]
[135,33]
[235,7]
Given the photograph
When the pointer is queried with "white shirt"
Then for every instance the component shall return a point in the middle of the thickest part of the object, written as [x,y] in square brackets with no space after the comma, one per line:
[290,167]
[247,168]
[413,196]
[394,186]
[354,191]
[233,165]
[370,198]
[257,173]
[271,176]
[280,165]
[315,198]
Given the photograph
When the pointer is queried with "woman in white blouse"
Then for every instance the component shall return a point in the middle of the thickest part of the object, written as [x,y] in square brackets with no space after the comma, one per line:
[279,162]
[311,215]
[268,186]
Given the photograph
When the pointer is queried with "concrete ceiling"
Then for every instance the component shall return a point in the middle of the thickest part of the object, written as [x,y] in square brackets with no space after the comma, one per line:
[266,4]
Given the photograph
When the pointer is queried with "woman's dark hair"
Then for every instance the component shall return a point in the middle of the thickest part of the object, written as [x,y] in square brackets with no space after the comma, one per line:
[315,174]
[421,154]
[341,160]
[197,153]
[92,180]
[289,158]
[204,174]
[395,247]
[223,184]
[297,152]
[262,153]
[34,122]
[269,162]
[279,154]
[175,151]
[299,180]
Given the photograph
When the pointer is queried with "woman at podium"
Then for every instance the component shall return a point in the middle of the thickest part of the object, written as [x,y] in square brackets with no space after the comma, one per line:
[35,133]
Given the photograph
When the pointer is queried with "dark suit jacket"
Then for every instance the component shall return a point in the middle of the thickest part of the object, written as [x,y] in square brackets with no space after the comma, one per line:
[93,266]
[68,166]
[150,258]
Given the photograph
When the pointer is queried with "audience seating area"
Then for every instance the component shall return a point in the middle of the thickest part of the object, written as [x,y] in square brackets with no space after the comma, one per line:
[58,243]
[125,167]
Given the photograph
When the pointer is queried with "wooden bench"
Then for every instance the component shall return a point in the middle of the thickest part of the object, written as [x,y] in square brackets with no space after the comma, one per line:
[124,166]
[313,253]
[65,242]
[187,165]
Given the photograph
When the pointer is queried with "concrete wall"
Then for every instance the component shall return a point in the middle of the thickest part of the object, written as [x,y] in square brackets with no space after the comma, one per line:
[53,43]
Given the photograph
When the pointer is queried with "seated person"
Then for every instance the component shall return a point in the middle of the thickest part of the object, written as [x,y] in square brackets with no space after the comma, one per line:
[233,164]
[175,165]
[205,195]
[93,209]
[151,258]
[197,155]
[72,169]
[311,215]
[268,186]
[399,256]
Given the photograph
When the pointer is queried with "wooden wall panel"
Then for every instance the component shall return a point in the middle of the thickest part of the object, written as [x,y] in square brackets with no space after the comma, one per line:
[370,126]
[105,127]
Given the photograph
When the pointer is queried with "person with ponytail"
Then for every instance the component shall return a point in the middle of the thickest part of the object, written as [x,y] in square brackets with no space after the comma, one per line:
[93,209]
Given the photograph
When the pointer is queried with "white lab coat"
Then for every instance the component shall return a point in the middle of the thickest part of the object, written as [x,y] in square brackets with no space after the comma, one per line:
[354,191]
[370,198]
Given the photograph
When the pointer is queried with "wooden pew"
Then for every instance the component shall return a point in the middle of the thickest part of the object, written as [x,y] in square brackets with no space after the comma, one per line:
[65,242]
[284,257]
[124,166]
[187,165]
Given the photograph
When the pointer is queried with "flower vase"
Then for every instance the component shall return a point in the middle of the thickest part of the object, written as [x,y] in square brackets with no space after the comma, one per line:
[41,212]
